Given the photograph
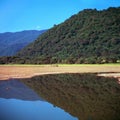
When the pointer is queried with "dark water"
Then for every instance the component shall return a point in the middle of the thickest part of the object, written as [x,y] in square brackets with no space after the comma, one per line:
[18,102]
[85,96]
[60,97]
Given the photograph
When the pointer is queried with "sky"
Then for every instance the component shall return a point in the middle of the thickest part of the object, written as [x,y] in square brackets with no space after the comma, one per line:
[19,15]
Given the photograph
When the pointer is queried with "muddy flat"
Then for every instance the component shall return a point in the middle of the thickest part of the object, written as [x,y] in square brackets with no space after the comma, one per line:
[27,71]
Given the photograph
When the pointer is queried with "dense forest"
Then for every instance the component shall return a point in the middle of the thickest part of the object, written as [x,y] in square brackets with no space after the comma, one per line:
[91,36]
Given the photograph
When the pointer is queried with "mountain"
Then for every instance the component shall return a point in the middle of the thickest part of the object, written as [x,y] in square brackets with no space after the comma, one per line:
[11,43]
[91,36]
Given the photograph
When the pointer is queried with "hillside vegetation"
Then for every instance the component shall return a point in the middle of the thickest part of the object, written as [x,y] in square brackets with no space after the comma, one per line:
[11,43]
[90,36]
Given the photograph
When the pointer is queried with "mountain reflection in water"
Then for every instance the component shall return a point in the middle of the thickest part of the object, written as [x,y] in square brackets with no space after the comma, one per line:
[12,109]
[19,102]
[17,90]
[85,96]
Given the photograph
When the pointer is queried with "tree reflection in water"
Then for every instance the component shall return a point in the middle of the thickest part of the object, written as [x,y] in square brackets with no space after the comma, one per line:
[85,96]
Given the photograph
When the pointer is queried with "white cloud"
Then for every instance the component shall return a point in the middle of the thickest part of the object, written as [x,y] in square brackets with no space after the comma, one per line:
[38,27]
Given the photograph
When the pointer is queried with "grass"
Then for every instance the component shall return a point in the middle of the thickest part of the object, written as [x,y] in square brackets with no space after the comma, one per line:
[62,65]
[109,64]
[30,70]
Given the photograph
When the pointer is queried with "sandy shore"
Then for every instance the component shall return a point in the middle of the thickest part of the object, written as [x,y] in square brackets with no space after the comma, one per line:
[8,72]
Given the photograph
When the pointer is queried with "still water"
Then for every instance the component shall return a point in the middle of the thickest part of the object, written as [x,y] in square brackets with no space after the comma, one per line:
[18,102]
[66,97]
[13,109]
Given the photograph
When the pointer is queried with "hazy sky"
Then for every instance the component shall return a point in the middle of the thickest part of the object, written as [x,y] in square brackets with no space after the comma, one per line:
[17,15]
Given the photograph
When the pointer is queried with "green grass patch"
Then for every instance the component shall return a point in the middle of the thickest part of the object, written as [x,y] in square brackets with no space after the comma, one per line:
[60,65]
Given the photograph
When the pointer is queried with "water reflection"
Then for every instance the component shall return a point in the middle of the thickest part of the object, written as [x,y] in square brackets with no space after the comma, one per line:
[86,96]
[19,102]
[12,109]
[17,90]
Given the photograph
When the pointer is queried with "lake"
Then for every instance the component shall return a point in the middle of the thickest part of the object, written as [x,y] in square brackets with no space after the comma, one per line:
[18,102]
[60,97]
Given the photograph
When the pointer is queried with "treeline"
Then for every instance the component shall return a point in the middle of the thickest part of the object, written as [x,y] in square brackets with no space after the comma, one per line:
[53,60]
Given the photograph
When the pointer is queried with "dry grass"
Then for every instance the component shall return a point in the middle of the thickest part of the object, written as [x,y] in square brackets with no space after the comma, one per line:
[18,71]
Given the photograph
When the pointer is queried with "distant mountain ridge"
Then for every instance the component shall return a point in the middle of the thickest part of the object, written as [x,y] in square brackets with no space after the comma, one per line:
[13,42]
[90,36]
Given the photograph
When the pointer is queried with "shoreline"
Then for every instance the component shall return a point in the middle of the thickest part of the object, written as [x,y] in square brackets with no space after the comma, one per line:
[27,71]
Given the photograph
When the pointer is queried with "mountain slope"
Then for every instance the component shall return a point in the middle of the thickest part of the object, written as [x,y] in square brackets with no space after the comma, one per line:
[11,43]
[88,37]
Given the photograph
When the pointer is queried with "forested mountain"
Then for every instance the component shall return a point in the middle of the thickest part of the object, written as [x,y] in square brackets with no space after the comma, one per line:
[88,37]
[91,36]
[11,43]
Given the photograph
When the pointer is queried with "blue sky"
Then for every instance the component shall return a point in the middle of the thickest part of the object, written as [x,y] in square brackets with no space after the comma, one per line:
[18,15]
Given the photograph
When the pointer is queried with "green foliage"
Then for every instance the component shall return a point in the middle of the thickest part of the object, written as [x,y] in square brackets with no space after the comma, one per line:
[90,36]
